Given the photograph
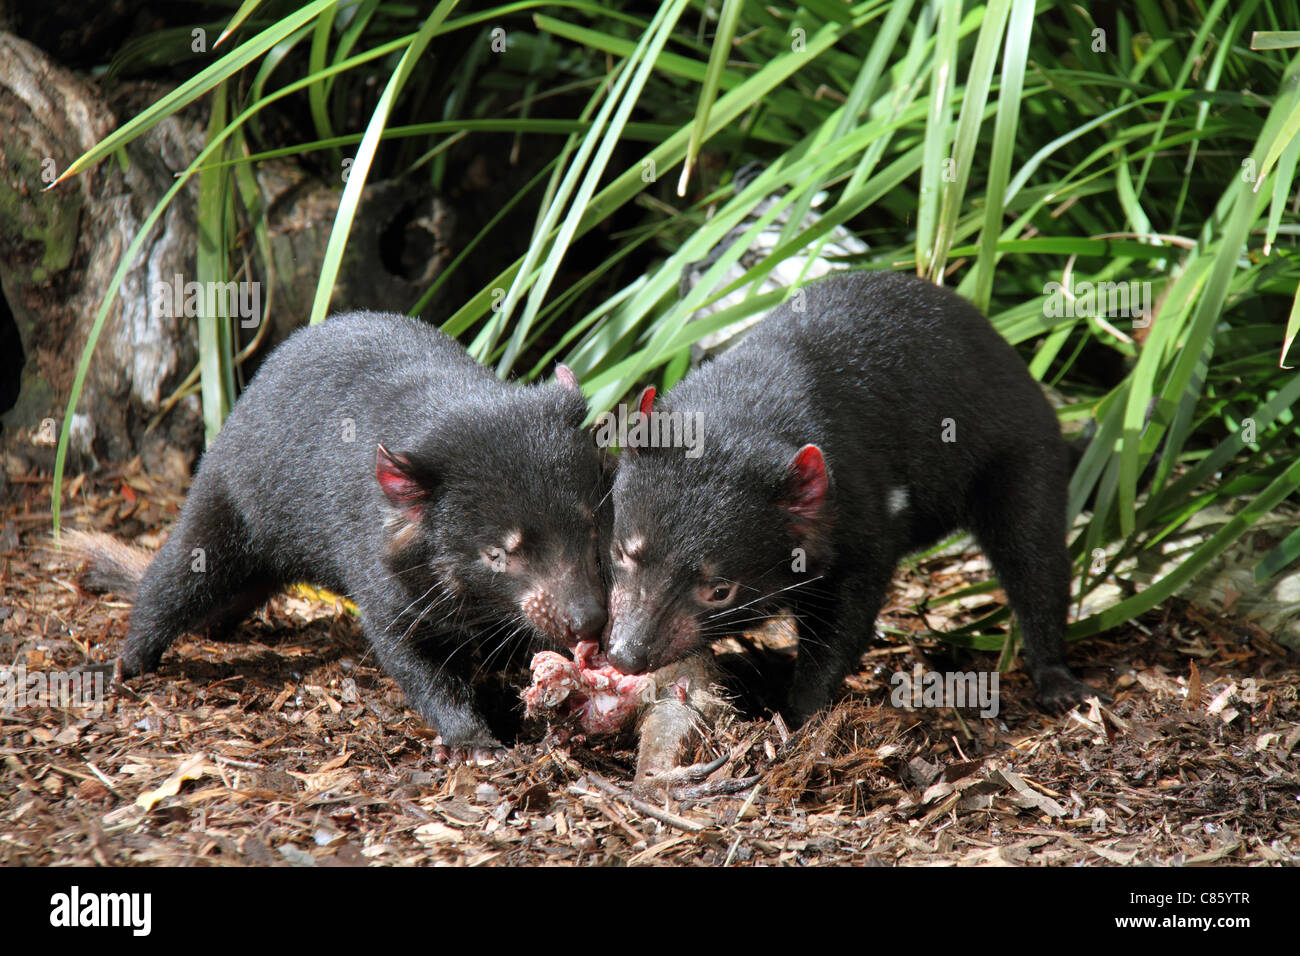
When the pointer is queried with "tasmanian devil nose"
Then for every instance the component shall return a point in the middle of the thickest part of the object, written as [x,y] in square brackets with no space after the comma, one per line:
[626,653]
[586,619]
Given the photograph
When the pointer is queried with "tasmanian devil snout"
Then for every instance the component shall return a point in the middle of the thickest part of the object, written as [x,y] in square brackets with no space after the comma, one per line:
[629,642]
[585,619]
[632,625]
[567,606]
[863,420]
[648,627]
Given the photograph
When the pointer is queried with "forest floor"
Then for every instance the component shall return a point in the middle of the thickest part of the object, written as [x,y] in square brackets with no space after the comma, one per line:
[288,746]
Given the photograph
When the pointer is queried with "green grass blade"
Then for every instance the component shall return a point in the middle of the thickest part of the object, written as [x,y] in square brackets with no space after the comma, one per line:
[1004,146]
[966,137]
[709,89]
[365,155]
[245,10]
[211,267]
[938,138]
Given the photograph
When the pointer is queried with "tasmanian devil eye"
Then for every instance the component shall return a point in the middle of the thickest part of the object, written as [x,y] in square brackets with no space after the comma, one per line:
[717,592]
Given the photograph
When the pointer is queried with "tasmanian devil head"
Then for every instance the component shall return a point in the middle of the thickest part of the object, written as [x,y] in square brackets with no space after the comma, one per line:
[497,514]
[703,546]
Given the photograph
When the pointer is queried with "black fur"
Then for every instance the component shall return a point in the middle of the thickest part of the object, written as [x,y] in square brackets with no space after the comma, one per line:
[290,490]
[870,372]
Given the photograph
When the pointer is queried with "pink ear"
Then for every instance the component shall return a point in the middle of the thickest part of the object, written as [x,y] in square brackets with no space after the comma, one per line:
[645,404]
[806,484]
[397,482]
[564,375]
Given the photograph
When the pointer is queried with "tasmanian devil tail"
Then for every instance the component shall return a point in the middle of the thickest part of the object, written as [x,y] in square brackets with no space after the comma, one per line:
[110,564]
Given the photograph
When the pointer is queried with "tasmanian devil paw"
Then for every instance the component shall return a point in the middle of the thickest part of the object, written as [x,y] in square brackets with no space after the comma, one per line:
[481,756]
[133,663]
[466,741]
[1059,690]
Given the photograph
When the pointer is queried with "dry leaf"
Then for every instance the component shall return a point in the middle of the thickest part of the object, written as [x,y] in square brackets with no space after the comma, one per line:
[435,834]
[193,767]
[1193,687]
[336,762]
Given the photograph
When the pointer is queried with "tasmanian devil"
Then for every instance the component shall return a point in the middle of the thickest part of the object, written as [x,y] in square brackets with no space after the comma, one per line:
[867,417]
[371,455]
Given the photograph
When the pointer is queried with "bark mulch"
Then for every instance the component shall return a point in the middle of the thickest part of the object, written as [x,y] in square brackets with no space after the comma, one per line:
[289,747]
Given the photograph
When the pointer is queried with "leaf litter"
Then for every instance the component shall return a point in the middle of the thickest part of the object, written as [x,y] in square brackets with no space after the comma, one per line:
[288,747]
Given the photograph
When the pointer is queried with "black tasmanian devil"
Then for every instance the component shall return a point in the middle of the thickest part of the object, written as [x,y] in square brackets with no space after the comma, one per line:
[371,455]
[865,418]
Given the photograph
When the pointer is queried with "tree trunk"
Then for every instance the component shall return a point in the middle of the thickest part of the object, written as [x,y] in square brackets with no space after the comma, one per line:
[59,249]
